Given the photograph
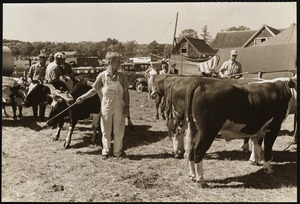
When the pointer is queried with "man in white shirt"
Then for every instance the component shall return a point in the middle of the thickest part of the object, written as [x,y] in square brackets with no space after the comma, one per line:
[231,68]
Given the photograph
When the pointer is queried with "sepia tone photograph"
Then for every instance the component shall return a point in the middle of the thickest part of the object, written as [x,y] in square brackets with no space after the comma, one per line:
[149,102]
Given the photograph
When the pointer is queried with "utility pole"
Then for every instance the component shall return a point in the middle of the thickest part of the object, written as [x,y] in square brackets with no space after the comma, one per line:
[174,38]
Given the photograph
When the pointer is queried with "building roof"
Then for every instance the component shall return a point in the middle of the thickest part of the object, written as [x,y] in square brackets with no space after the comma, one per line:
[271,30]
[233,39]
[199,44]
[288,36]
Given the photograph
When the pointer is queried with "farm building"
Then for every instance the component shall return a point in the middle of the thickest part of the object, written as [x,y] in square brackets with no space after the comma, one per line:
[274,57]
[264,53]
[188,52]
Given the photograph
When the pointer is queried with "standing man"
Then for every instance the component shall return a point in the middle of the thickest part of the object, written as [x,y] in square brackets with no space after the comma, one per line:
[54,73]
[114,104]
[231,67]
[36,75]
[173,69]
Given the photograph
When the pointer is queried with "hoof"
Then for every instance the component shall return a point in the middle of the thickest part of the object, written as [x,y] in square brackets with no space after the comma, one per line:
[67,146]
[55,139]
[192,177]
[268,171]
[256,163]
[178,156]
[203,185]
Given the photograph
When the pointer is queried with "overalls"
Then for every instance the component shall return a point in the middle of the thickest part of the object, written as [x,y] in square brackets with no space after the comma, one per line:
[112,116]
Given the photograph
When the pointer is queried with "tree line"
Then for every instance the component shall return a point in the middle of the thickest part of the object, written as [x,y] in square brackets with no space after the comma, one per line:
[99,49]
[89,49]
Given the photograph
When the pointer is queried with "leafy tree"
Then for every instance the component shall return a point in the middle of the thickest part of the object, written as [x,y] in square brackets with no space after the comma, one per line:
[130,49]
[240,28]
[205,35]
[188,33]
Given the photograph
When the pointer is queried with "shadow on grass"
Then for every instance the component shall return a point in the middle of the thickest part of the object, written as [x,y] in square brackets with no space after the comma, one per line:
[141,135]
[278,156]
[26,122]
[150,156]
[284,175]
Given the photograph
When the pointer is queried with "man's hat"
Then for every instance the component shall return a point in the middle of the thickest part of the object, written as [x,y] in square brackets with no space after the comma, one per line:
[64,55]
[42,56]
[234,52]
[58,55]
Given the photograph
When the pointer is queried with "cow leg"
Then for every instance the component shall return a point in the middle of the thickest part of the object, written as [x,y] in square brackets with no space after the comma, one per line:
[269,141]
[14,109]
[188,147]
[178,146]
[162,109]
[157,102]
[245,146]
[20,111]
[257,152]
[58,129]
[35,110]
[42,110]
[203,141]
[69,135]
[4,111]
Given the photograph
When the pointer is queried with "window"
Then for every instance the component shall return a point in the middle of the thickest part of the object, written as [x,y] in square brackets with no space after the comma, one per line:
[260,40]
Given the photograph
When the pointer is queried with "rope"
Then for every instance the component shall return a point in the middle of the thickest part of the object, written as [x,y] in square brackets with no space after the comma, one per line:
[61,112]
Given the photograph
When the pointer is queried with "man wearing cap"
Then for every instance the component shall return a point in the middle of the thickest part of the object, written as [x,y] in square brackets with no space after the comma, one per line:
[231,68]
[54,73]
[36,75]
[67,69]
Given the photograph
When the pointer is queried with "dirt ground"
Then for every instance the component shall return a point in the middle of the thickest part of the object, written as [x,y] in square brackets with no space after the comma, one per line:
[36,169]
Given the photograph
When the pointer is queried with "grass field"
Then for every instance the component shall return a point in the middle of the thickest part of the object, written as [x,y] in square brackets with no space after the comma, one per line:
[36,169]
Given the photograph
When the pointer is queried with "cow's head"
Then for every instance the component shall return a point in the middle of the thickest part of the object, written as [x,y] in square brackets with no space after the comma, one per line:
[57,106]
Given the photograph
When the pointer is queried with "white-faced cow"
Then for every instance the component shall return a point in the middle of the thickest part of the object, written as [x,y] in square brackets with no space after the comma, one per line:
[254,110]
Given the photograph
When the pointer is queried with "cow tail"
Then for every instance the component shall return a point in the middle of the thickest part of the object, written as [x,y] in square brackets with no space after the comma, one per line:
[188,144]
[188,101]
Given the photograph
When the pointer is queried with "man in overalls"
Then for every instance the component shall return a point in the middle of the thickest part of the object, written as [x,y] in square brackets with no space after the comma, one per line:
[114,104]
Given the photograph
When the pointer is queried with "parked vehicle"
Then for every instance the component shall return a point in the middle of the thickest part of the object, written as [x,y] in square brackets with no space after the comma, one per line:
[136,74]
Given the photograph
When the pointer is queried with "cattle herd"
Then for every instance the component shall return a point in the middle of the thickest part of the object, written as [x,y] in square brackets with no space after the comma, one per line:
[196,110]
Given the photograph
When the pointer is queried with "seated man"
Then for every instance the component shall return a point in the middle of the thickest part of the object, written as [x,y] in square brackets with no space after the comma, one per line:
[231,68]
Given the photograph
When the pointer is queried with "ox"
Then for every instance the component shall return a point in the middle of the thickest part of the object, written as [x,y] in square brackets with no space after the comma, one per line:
[175,89]
[254,110]
[13,93]
[76,113]
[37,95]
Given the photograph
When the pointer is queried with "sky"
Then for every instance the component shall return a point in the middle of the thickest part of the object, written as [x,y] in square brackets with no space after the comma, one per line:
[140,22]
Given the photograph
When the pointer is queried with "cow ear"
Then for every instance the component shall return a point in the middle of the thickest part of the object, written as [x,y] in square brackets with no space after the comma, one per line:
[292,84]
